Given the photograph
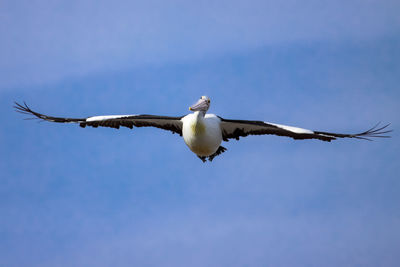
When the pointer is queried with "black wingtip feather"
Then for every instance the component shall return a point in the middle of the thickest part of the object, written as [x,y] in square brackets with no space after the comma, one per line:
[374,132]
[25,110]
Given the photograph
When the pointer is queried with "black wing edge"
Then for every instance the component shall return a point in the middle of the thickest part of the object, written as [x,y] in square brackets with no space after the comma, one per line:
[24,109]
[374,132]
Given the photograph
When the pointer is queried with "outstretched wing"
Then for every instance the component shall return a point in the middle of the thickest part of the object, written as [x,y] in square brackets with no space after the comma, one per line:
[242,128]
[173,124]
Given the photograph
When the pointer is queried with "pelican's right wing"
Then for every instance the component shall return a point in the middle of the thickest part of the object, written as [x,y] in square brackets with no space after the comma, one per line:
[241,128]
[173,124]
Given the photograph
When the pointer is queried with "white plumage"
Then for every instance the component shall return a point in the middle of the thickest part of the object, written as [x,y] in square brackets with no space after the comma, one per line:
[202,134]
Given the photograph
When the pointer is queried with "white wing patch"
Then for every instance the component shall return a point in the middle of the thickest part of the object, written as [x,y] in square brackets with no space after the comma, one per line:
[292,129]
[106,117]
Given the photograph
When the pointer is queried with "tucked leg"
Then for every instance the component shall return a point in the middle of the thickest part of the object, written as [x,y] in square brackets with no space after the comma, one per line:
[203,159]
[220,150]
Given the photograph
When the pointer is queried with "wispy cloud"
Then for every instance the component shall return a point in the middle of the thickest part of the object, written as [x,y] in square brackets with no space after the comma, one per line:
[44,41]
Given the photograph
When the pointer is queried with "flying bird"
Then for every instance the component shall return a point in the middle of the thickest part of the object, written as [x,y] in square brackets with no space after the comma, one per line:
[203,132]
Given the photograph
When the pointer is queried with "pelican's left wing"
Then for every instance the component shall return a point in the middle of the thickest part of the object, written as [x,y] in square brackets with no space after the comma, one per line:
[173,124]
[242,128]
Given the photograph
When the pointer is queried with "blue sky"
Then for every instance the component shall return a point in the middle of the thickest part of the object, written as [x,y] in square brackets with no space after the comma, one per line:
[81,197]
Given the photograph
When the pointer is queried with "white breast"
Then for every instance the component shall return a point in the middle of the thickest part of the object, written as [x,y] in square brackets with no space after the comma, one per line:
[202,135]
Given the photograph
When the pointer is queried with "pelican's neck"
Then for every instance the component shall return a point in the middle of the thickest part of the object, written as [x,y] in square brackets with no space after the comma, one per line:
[199,115]
[197,123]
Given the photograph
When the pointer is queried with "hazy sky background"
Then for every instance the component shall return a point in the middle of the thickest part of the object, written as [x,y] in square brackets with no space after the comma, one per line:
[106,197]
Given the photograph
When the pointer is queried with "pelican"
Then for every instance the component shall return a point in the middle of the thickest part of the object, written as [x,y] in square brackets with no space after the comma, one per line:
[203,132]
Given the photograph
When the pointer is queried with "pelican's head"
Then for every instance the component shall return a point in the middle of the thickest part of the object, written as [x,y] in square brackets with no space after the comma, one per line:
[202,105]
